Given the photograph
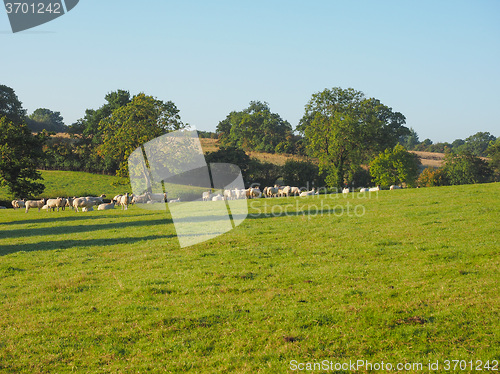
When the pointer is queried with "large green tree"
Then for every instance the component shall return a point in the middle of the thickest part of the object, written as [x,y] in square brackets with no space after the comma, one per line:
[20,151]
[10,106]
[88,134]
[46,119]
[255,128]
[343,129]
[134,124]
[466,168]
[395,166]
[493,152]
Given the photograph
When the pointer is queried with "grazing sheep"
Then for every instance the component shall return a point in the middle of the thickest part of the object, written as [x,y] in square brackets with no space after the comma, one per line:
[295,191]
[17,204]
[286,191]
[105,206]
[87,202]
[52,204]
[205,195]
[124,201]
[35,204]
[273,191]
[394,187]
[240,194]
[374,189]
[227,195]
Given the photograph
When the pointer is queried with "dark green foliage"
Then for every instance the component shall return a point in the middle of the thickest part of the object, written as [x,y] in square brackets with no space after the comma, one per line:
[477,144]
[263,173]
[10,106]
[343,129]
[128,127]
[257,129]
[465,168]
[395,166]
[45,119]
[230,155]
[20,151]
[301,174]
[493,152]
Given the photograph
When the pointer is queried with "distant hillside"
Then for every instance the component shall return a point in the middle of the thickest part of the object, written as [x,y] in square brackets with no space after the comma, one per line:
[432,159]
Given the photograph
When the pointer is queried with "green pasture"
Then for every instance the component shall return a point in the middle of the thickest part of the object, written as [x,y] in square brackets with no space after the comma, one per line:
[402,276]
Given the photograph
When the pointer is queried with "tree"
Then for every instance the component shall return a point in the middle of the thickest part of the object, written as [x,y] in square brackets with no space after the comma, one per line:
[493,152]
[88,134]
[10,106]
[478,143]
[301,174]
[134,124]
[230,155]
[46,119]
[255,128]
[410,141]
[20,152]
[465,168]
[395,166]
[343,129]
[431,177]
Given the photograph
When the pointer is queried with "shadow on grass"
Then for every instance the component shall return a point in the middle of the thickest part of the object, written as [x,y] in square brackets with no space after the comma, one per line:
[53,218]
[64,244]
[61,230]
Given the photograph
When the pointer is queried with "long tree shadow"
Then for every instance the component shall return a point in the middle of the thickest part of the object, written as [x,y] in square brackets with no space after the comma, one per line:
[64,244]
[53,218]
[61,230]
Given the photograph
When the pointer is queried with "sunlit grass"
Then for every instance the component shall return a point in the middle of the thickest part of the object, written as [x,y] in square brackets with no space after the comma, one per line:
[410,276]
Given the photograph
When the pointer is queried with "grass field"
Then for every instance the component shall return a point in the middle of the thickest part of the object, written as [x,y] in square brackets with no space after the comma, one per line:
[405,276]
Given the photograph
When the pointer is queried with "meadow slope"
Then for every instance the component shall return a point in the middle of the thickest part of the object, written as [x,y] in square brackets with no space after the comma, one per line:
[406,276]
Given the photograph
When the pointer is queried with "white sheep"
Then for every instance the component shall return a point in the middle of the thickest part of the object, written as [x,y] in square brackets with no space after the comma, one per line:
[217,197]
[52,204]
[17,204]
[272,191]
[372,189]
[394,187]
[345,190]
[178,200]
[87,202]
[105,206]
[307,193]
[363,190]
[285,191]
[123,201]
[35,204]
[295,191]
[205,196]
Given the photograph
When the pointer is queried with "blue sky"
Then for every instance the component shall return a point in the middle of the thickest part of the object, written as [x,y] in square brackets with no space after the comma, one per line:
[437,62]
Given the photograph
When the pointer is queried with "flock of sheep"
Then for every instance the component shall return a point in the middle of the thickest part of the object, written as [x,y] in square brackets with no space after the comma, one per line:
[275,191]
[255,192]
[86,204]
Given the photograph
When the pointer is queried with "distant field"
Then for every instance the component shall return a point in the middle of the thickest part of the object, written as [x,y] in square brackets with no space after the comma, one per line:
[405,276]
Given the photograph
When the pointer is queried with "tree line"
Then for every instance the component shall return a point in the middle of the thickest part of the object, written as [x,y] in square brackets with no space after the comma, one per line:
[350,139]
